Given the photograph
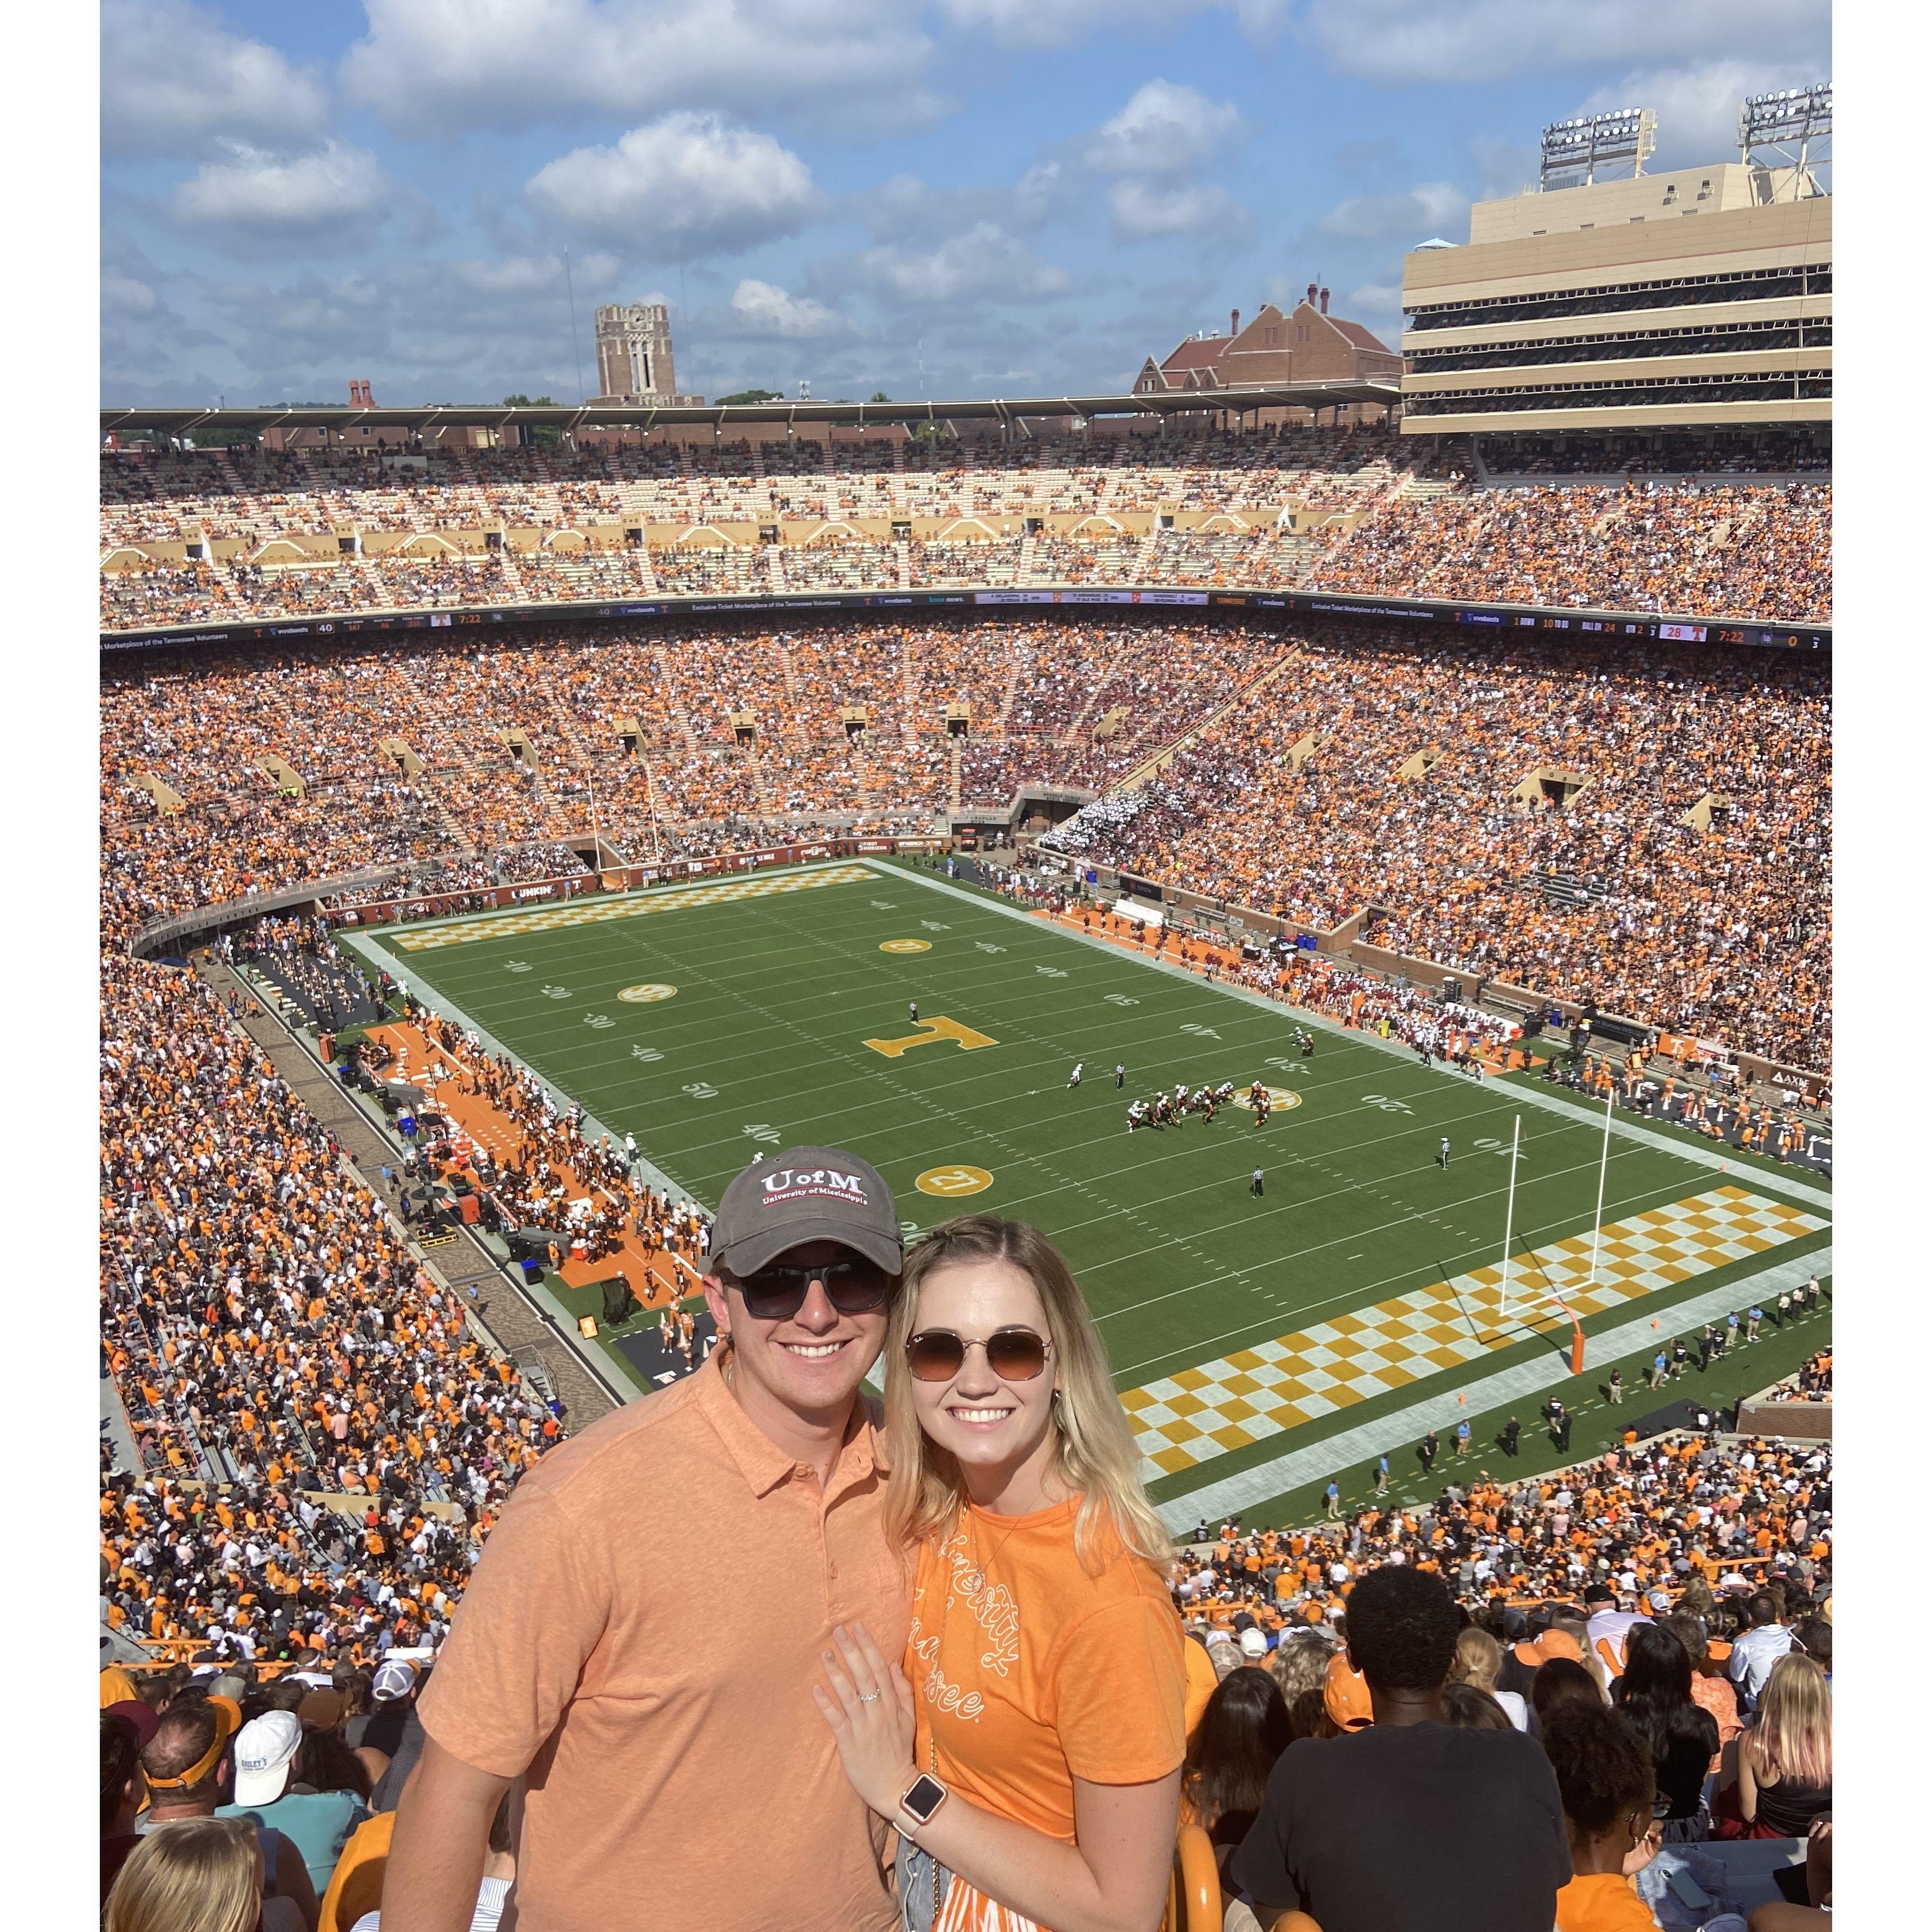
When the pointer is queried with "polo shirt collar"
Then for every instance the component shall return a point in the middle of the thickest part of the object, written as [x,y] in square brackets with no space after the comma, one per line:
[760,1461]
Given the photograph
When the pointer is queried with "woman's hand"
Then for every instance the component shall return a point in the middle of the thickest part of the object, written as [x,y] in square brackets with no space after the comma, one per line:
[1645,1849]
[870,1709]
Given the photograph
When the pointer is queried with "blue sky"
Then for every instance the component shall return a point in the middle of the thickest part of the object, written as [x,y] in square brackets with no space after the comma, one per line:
[964,198]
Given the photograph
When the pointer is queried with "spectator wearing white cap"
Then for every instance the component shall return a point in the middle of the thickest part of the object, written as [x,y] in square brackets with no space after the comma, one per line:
[394,1728]
[189,1767]
[270,1790]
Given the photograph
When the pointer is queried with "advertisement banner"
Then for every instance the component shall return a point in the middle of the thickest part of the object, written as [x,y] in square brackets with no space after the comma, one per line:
[1144,596]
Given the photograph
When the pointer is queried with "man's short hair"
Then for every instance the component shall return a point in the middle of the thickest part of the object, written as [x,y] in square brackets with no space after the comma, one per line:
[1602,1768]
[1689,1630]
[349,1678]
[1401,1628]
[183,1736]
[1763,1608]
[1813,1636]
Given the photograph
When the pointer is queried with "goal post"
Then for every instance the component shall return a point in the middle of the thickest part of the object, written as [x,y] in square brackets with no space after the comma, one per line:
[1509,1309]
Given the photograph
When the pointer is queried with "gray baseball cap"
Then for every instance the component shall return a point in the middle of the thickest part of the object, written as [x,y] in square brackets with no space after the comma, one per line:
[806,1194]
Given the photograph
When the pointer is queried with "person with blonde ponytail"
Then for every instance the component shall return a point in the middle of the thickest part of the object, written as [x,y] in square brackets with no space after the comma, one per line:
[1028,1749]
[1784,1762]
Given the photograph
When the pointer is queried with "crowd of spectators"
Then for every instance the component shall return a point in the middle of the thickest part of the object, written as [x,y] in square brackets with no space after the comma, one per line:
[1714,550]
[1812,1383]
[552,1176]
[1686,1523]
[189,536]
[1405,782]
[267,1326]
[1652,1629]
[1682,878]
[1659,1621]
[1646,1639]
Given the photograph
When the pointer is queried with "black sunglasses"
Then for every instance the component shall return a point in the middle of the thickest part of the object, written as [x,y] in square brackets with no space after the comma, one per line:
[1013,1354]
[853,1286]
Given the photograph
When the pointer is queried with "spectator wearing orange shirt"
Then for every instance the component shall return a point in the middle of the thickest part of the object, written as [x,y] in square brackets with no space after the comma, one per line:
[570,1659]
[1039,1764]
[1603,1772]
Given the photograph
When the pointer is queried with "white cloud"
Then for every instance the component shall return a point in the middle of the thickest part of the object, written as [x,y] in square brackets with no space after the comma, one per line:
[1165,129]
[684,185]
[1065,23]
[1145,209]
[1436,41]
[452,64]
[984,264]
[906,208]
[766,310]
[335,187]
[1432,207]
[173,78]
[123,295]
[594,273]
[1375,299]
[1154,147]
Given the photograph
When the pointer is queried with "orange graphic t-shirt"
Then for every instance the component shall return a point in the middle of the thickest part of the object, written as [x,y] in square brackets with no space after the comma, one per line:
[1603,1902]
[1031,1672]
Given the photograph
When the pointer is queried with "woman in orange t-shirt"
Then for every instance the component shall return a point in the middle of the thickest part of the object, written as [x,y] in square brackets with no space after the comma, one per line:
[1603,1772]
[1033,1774]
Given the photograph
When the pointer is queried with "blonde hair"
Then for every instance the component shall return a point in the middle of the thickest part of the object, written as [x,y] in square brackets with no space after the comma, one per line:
[1478,1657]
[1096,1455]
[1793,1733]
[194,1875]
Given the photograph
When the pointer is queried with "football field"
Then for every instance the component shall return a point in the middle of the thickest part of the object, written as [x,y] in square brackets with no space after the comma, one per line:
[757,1012]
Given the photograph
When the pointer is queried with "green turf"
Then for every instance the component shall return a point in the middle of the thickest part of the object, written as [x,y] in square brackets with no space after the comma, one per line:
[762,1046]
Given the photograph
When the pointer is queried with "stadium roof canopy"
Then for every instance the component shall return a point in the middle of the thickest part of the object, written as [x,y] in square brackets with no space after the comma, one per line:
[181,421]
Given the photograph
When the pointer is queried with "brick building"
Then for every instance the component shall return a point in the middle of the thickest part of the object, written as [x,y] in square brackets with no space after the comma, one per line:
[1306,344]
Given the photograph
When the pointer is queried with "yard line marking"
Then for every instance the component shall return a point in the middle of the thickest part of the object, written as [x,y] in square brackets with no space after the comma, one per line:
[1217,1407]
[602,911]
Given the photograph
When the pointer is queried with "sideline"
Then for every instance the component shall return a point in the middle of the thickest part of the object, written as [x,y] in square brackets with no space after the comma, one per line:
[380,956]
[1367,1440]
[1695,1152]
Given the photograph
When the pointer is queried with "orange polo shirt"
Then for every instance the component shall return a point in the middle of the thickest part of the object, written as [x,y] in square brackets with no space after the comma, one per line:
[678,1772]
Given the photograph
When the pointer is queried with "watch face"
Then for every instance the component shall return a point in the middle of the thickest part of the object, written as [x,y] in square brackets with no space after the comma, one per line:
[922,1800]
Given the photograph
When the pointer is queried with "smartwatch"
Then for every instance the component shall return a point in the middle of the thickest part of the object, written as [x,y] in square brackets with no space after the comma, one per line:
[923,1797]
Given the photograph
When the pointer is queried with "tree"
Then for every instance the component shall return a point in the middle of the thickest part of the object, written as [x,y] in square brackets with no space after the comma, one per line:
[752,396]
[545,433]
[878,396]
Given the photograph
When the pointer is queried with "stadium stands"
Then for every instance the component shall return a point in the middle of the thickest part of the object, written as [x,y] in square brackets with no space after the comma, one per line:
[191,537]
[1313,802]
[1685,1521]
[1685,822]
[321,1440]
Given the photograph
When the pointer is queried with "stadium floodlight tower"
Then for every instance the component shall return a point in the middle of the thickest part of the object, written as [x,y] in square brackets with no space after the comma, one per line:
[1597,147]
[1788,135]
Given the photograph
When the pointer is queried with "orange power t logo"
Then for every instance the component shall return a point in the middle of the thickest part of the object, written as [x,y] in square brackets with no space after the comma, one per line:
[937,1028]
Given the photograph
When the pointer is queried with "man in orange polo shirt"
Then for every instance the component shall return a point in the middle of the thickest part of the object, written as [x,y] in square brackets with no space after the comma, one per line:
[665,1780]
